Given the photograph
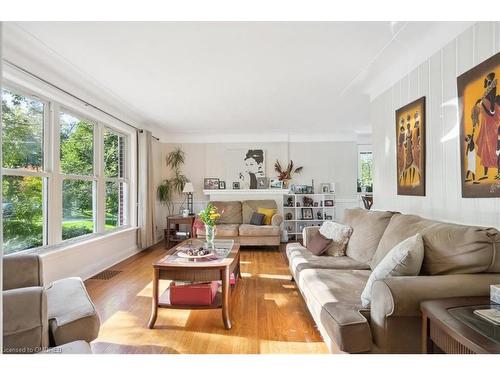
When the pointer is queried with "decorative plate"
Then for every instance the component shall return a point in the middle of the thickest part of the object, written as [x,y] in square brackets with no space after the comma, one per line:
[182,254]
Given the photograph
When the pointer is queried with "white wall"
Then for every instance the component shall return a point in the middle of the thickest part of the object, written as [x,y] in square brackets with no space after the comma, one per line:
[323,161]
[436,79]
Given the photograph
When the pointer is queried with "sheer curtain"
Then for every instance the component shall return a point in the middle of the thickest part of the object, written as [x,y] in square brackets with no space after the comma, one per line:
[146,190]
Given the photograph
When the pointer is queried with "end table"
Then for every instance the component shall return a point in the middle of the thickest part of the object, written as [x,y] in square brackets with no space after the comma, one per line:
[176,220]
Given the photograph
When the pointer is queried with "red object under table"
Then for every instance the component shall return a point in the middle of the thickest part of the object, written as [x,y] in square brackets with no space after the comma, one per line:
[193,294]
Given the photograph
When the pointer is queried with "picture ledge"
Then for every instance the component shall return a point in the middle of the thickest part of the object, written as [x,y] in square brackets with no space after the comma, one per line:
[245,191]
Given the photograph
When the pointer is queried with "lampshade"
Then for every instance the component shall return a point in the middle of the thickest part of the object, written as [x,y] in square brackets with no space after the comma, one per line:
[188,188]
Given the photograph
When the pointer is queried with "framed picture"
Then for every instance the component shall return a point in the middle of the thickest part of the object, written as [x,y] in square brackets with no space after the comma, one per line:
[325,188]
[307,213]
[262,183]
[316,204]
[211,183]
[275,184]
[410,148]
[245,166]
[479,110]
[222,185]
[328,202]
[236,186]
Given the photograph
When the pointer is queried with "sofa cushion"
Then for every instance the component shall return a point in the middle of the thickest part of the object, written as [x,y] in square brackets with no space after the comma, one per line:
[339,234]
[268,214]
[250,230]
[299,259]
[257,219]
[230,212]
[405,259]
[71,313]
[318,244]
[333,298]
[448,248]
[367,229]
[250,206]
[221,230]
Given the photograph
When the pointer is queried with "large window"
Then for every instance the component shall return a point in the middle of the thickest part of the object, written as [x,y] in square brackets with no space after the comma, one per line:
[64,175]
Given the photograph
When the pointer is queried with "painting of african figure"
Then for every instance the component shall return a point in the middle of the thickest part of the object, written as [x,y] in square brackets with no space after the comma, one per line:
[410,148]
[479,106]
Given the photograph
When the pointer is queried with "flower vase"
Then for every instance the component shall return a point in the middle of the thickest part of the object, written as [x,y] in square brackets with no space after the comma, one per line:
[210,236]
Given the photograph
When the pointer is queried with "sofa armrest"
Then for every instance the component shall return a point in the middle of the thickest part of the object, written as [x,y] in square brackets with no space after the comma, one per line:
[307,232]
[22,270]
[276,220]
[395,316]
[25,323]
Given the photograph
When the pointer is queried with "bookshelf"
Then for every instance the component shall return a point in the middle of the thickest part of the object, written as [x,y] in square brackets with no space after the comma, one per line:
[294,219]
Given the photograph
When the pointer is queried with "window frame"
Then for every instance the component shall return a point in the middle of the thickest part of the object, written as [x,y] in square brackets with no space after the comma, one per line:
[53,177]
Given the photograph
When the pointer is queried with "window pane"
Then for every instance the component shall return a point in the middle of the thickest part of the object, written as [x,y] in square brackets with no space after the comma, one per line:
[22,213]
[77,145]
[366,168]
[22,128]
[78,216]
[114,204]
[114,152]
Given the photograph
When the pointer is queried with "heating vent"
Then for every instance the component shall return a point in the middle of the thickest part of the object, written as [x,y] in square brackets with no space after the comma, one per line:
[105,275]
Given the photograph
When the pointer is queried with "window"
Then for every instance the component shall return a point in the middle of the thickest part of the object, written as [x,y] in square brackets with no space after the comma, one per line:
[365,171]
[78,189]
[114,171]
[23,171]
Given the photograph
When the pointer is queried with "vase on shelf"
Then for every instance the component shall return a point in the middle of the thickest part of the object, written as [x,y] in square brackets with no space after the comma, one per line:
[210,236]
[286,183]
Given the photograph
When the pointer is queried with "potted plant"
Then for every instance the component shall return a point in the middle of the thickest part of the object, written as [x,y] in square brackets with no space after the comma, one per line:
[175,184]
[286,174]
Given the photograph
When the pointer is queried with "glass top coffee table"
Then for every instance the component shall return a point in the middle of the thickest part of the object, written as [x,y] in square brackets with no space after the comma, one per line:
[217,266]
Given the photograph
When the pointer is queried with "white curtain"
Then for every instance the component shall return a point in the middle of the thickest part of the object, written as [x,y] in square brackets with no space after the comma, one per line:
[147,190]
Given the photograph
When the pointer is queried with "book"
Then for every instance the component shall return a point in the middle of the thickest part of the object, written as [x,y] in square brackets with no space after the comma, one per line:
[490,315]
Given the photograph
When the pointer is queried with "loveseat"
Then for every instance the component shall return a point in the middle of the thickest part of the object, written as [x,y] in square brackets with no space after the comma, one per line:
[56,318]
[234,223]
[458,260]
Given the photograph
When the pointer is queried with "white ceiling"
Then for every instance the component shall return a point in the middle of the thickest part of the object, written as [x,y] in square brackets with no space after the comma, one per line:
[186,80]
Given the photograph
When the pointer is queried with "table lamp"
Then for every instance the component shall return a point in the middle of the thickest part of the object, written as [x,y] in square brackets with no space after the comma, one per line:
[188,189]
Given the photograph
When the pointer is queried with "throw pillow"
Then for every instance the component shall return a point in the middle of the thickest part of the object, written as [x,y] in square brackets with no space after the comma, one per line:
[318,243]
[257,219]
[405,259]
[339,234]
[269,212]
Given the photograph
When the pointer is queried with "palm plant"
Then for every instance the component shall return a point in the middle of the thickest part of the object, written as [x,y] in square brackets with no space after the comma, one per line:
[175,184]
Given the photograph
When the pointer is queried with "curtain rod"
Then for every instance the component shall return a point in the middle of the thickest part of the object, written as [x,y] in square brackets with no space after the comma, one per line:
[72,95]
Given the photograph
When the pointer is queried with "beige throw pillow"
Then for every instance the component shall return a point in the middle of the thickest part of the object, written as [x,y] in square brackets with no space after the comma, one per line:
[339,234]
[405,259]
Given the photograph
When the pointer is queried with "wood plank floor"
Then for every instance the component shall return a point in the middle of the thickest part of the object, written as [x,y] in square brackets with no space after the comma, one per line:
[268,313]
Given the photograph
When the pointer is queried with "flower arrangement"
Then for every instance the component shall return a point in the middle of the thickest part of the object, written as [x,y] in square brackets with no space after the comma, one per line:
[209,215]
[286,175]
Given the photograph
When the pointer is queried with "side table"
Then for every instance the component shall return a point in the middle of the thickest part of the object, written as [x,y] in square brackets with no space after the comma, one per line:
[175,221]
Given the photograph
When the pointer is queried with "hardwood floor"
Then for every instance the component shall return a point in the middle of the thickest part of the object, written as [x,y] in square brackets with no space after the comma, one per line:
[268,313]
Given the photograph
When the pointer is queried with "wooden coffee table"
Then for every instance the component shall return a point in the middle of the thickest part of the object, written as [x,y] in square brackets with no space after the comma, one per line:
[218,267]
[450,326]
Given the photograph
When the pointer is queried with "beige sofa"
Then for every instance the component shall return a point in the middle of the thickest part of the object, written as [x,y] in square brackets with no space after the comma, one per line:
[234,223]
[58,318]
[459,261]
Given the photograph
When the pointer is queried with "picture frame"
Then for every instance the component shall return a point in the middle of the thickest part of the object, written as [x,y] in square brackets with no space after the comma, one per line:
[236,186]
[328,202]
[410,124]
[307,213]
[316,204]
[211,183]
[325,188]
[222,185]
[262,183]
[274,183]
[478,101]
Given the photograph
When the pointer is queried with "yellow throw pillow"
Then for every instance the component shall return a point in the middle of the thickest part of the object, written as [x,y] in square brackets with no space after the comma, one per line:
[268,212]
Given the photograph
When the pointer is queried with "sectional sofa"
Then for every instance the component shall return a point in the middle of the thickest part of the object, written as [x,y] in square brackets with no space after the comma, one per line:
[459,261]
[234,223]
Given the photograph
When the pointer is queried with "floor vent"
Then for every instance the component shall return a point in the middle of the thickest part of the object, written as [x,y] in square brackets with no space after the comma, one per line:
[105,275]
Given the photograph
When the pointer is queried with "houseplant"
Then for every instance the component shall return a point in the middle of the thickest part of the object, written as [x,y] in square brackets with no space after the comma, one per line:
[286,174]
[174,185]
